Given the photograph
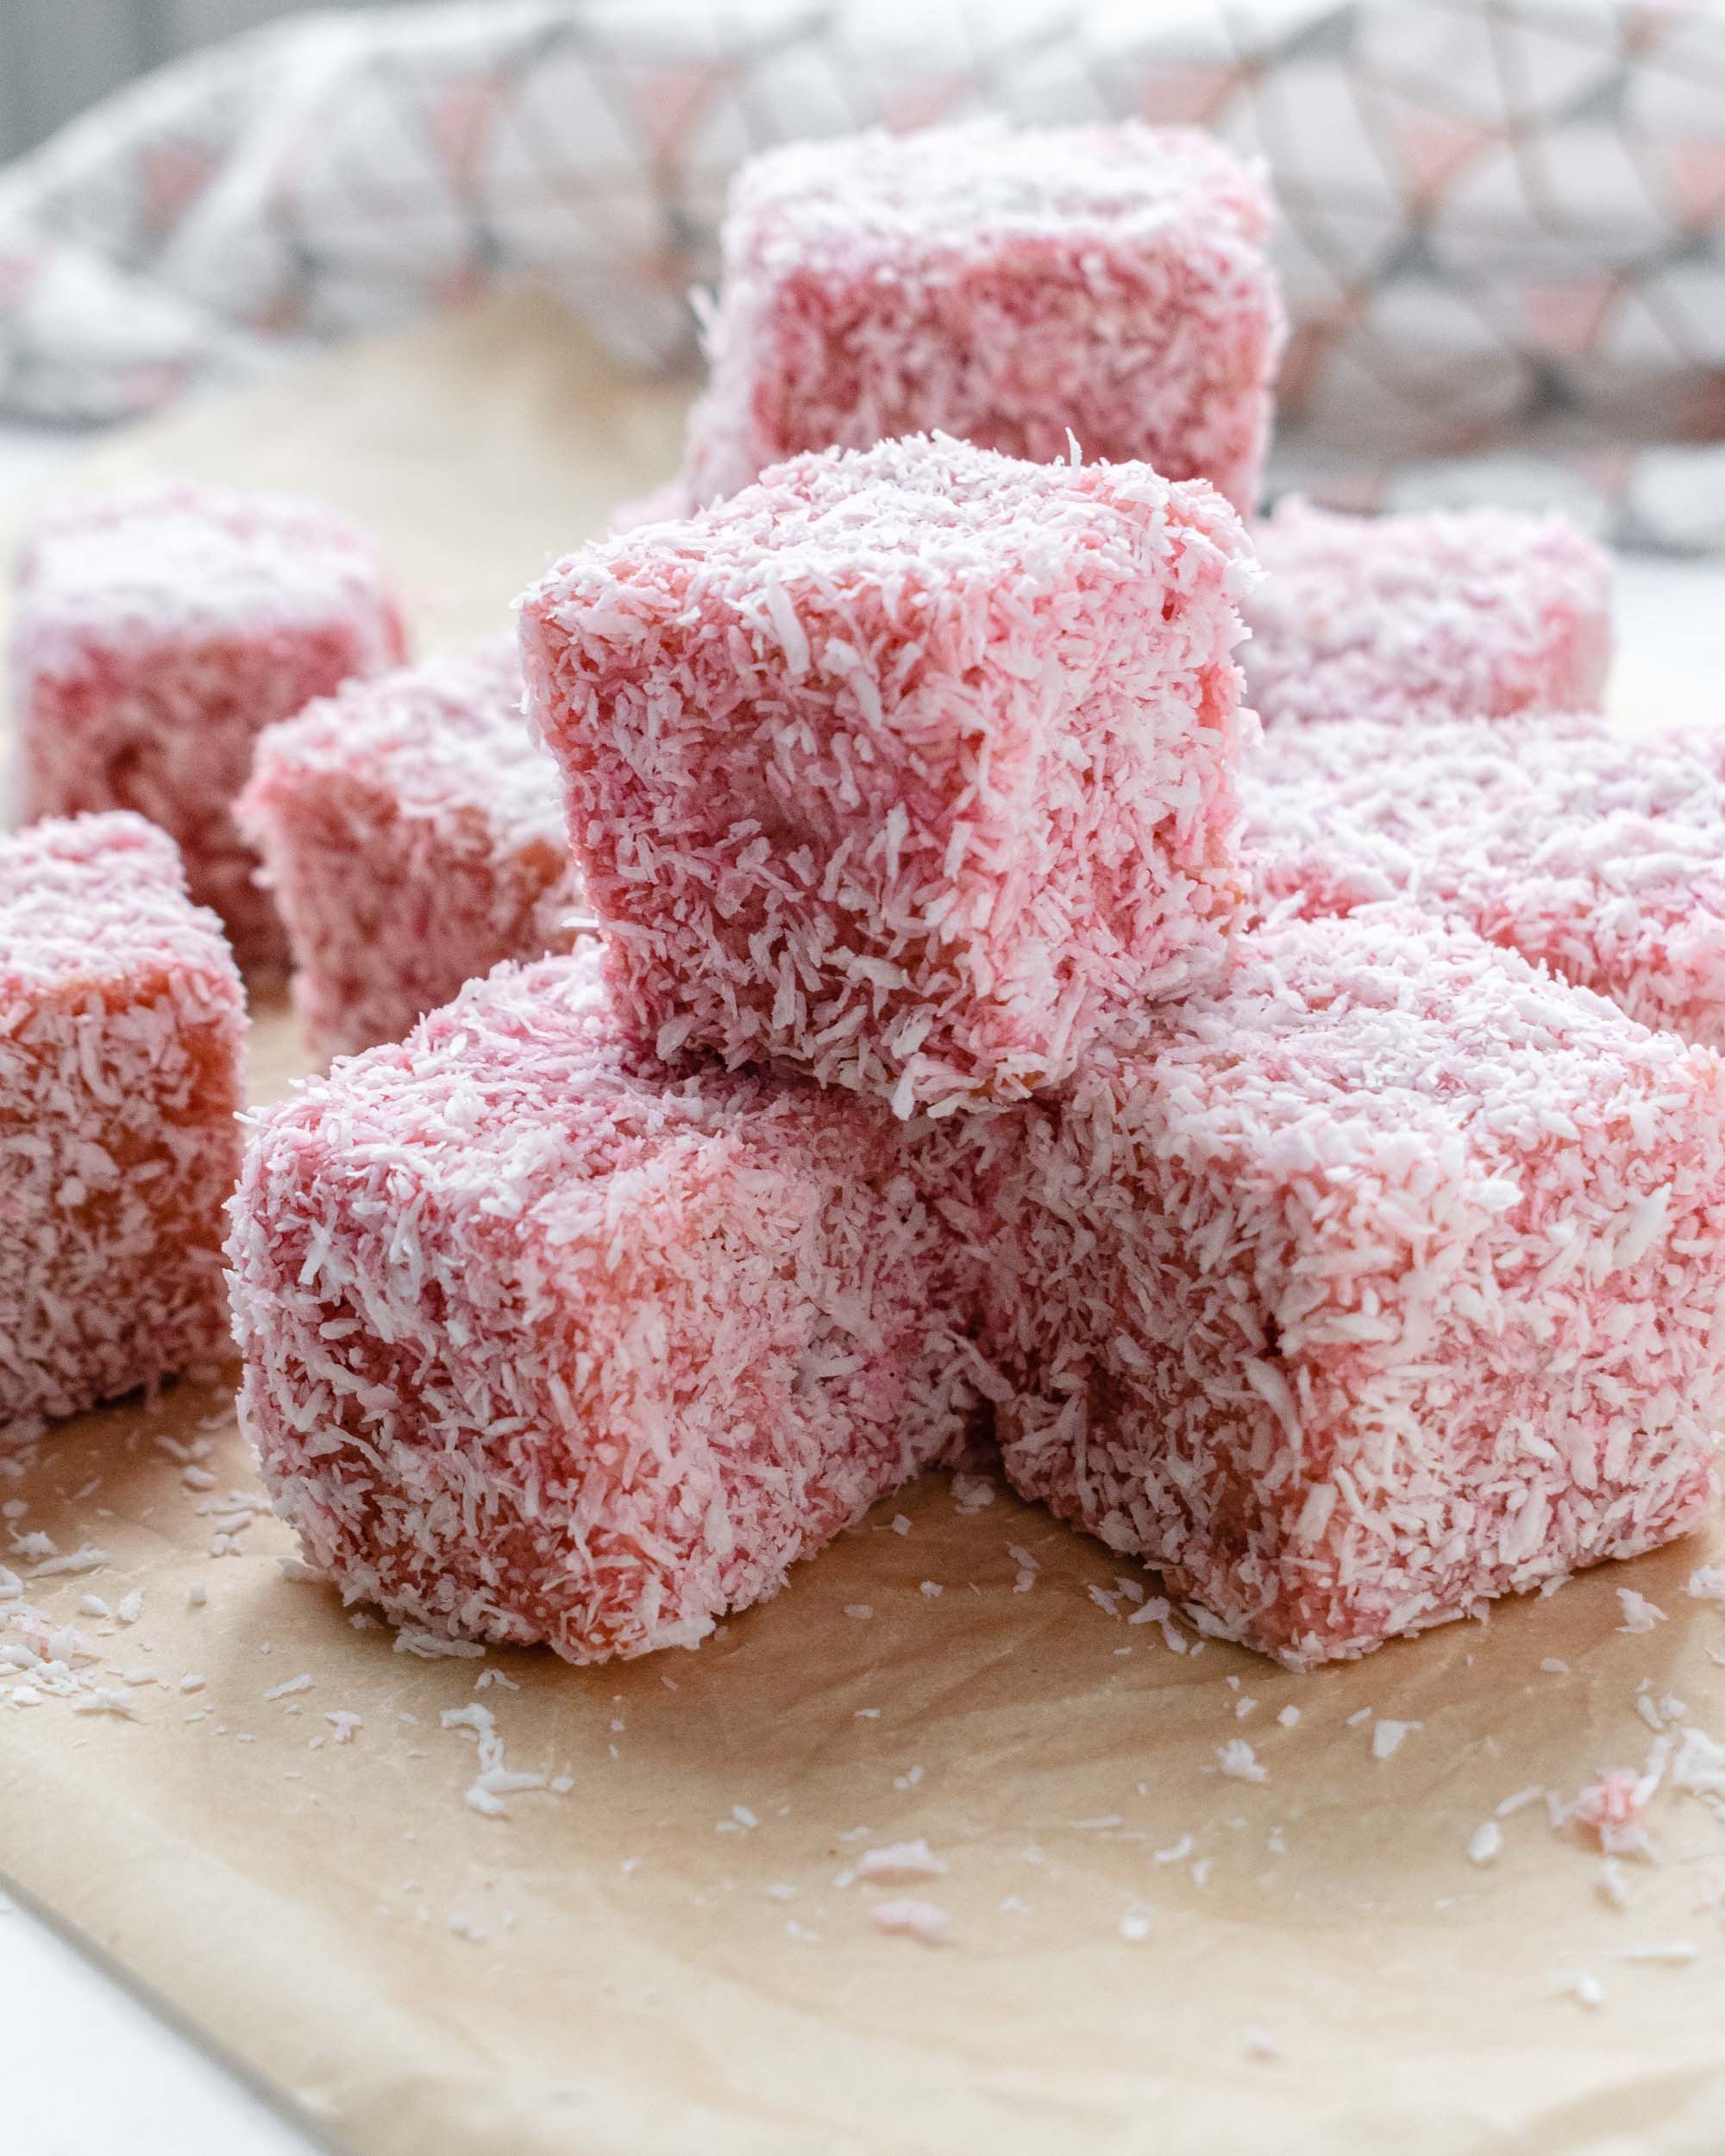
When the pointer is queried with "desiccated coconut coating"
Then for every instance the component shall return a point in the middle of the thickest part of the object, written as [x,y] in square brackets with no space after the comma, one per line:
[1390,1282]
[122,1054]
[1004,286]
[412,830]
[1601,856]
[545,1342]
[1455,614]
[912,766]
[157,632]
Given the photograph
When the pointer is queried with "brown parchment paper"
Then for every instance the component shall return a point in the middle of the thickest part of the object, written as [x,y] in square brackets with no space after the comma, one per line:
[663,1957]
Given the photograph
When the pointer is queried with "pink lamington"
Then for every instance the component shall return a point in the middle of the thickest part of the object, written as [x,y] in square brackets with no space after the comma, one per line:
[545,1342]
[412,830]
[1600,855]
[121,1052]
[1456,614]
[157,632]
[913,766]
[1006,287]
[1389,1281]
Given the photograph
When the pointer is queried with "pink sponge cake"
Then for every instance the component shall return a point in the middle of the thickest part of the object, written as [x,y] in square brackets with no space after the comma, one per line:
[545,1342]
[122,1050]
[1387,1283]
[1007,287]
[412,830]
[157,633]
[1600,855]
[1459,614]
[913,767]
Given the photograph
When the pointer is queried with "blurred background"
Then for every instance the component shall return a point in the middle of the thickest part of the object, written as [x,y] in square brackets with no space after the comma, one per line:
[1500,227]
[57,56]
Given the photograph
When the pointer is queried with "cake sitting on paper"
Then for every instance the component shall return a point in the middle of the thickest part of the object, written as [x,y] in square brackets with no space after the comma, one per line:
[121,1071]
[1389,1283]
[547,1342]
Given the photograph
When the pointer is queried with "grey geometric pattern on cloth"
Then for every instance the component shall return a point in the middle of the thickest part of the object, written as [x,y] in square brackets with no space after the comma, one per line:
[1502,228]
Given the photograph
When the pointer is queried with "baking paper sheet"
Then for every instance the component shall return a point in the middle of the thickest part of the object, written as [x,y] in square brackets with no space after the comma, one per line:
[669,1954]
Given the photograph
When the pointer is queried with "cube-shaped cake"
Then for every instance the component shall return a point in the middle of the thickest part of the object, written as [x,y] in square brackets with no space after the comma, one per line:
[412,832]
[1389,1283]
[121,1053]
[1600,854]
[546,1343]
[1473,613]
[914,767]
[1013,288]
[157,632]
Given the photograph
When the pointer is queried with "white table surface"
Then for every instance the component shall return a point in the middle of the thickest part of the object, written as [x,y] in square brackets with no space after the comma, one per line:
[86,2068]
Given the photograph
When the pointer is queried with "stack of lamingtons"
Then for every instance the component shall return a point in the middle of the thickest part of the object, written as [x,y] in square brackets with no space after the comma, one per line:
[929,1019]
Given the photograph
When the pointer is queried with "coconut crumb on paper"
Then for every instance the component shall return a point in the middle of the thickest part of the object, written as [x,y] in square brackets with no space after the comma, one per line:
[1699,1767]
[1239,1762]
[1578,1984]
[1610,1883]
[90,1558]
[432,1646]
[1639,1613]
[900,1860]
[1487,1843]
[495,1780]
[105,1701]
[911,1919]
[1613,1807]
[1387,1736]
